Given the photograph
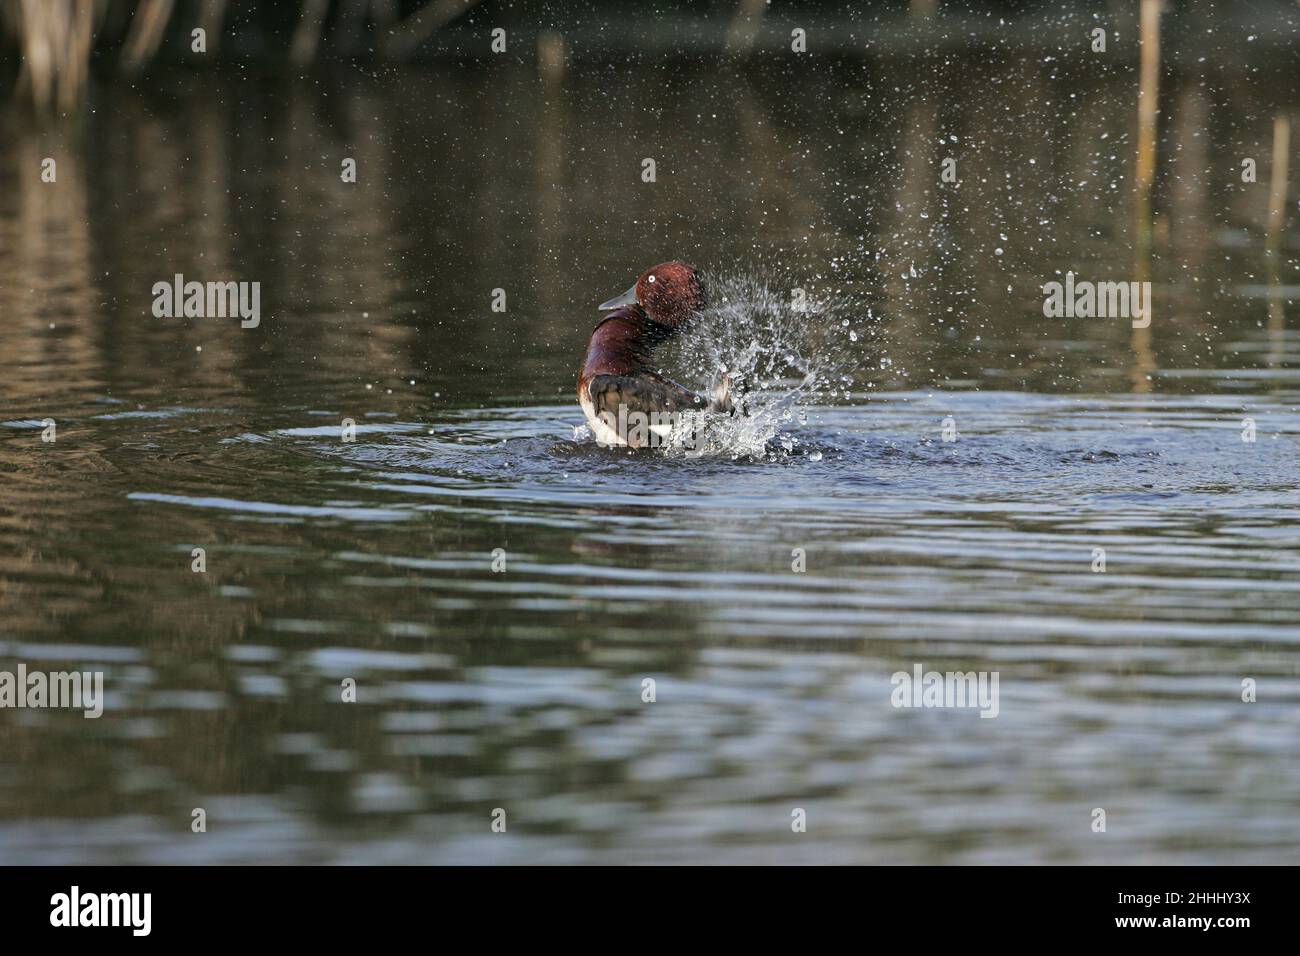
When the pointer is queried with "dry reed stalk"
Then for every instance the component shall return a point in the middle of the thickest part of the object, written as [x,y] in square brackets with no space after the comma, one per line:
[147,29]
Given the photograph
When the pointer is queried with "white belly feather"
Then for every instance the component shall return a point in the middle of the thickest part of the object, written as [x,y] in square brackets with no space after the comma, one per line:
[603,432]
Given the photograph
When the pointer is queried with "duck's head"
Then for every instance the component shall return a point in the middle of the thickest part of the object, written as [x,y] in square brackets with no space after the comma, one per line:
[670,293]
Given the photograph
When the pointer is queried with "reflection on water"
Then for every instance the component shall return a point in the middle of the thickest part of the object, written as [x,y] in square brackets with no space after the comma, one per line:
[522,689]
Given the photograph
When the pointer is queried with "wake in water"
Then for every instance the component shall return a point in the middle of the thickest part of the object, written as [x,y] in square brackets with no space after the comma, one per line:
[782,347]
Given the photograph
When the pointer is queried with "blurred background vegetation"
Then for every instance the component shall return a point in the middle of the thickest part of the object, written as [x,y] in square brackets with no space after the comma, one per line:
[51,49]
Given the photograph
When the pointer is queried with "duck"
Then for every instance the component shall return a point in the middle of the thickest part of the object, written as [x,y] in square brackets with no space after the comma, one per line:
[624,398]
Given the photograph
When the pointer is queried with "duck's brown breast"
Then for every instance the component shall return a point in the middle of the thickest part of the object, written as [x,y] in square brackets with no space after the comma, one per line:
[619,345]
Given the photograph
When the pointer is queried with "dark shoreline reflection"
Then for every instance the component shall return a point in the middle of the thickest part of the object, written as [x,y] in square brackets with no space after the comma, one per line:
[801,176]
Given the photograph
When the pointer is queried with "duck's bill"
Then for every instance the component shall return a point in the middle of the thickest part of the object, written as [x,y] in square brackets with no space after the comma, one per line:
[627,298]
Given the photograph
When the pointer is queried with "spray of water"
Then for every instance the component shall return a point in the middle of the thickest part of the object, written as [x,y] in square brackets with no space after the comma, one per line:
[782,345]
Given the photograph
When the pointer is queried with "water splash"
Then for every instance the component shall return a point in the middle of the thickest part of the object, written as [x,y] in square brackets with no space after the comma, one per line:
[783,345]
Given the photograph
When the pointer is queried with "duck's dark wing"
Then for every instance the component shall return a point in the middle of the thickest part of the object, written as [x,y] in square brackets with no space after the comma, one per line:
[644,392]
[641,397]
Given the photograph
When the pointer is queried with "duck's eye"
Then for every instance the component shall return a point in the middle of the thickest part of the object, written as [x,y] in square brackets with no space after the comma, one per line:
[650,279]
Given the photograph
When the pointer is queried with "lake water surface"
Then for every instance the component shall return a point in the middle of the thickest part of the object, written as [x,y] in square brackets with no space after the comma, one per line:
[521,688]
